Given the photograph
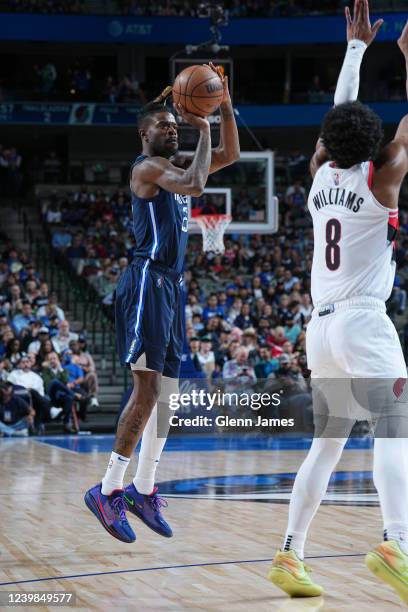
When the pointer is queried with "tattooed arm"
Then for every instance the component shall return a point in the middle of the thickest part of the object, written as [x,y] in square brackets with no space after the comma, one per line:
[157,172]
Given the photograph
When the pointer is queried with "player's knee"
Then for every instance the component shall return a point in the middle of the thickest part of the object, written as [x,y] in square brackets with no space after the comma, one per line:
[147,388]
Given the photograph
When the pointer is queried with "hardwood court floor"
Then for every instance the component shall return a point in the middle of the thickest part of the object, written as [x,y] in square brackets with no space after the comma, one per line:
[217,559]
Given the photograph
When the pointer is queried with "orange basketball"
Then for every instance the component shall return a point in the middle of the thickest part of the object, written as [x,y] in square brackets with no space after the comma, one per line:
[199,90]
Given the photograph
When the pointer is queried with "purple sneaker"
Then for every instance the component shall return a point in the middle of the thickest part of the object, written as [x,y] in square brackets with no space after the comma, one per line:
[147,508]
[110,510]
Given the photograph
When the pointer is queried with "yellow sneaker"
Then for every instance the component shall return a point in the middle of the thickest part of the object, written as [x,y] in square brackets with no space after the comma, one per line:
[390,564]
[291,575]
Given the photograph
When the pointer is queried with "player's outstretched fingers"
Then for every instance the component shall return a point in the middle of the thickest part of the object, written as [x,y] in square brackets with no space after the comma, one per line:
[377,26]
[403,40]
[348,16]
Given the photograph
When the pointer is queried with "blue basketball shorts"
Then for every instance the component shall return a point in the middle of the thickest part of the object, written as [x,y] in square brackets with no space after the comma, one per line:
[149,317]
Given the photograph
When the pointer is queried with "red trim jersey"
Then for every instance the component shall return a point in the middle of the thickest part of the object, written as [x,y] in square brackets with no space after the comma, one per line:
[354,236]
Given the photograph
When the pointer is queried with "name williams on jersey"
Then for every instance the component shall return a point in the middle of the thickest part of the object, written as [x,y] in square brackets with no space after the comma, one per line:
[337,197]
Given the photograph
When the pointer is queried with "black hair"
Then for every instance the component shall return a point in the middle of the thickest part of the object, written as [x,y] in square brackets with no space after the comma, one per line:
[351,134]
[158,105]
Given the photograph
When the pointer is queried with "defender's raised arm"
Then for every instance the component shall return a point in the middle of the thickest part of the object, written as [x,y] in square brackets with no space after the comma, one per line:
[360,34]
[401,135]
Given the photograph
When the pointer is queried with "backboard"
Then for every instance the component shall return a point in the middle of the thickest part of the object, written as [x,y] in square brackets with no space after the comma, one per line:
[245,191]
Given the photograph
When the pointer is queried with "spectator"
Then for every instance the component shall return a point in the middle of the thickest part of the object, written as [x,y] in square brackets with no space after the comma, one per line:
[36,345]
[76,377]
[296,194]
[238,374]
[42,298]
[244,319]
[289,382]
[110,90]
[206,356]
[52,211]
[24,318]
[31,291]
[212,309]
[16,415]
[23,375]
[306,307]
[49,311]
[130,90]
[194,353]
[46,347]
[13,353]
[64,337]
[14,298]
[55,379]
[76,251]
[48,76]
[105,284]
[291,329]
[249,340]
[235,310]
[53,325]
[264,364]
[61,239]
[82,358]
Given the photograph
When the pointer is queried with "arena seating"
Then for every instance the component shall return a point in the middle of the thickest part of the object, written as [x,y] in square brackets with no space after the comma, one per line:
[47,363]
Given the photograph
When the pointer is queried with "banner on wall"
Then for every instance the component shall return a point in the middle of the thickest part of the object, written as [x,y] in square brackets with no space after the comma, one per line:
[125,115]
[183,30]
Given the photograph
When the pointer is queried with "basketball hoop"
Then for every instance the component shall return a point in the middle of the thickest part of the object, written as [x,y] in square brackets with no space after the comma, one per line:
[213,228]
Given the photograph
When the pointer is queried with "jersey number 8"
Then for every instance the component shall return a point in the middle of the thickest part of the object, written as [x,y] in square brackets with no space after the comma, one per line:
[333,235]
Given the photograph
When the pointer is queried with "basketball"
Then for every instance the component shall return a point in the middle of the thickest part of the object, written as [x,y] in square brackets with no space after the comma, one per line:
[199,90]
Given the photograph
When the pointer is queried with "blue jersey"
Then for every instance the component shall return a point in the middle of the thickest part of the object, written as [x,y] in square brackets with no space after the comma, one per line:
[160,226]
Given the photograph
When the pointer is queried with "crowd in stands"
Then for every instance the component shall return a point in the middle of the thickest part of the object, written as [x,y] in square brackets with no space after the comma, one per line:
[67,79]
[18,172]
[246,310]
[234,8]
[76,80]
[61,7]
[185,8]
[46,371]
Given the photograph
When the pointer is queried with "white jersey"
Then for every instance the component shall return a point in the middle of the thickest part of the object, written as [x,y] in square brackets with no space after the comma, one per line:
[353,236]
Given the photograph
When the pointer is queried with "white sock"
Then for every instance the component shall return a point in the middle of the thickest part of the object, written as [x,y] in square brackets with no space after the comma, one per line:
[149,456]
[399,533]
[152,445]
[115,473]
[309,488]
[295,541]
[390,473]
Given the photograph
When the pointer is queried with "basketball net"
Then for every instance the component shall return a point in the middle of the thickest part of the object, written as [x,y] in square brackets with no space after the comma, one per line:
[213,228]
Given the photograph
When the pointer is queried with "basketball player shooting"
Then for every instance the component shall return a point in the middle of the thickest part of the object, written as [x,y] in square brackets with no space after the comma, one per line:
[354,207]
[149,302]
